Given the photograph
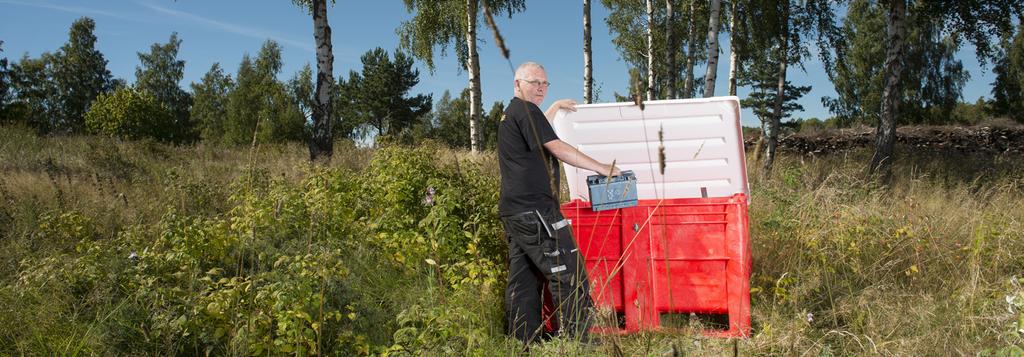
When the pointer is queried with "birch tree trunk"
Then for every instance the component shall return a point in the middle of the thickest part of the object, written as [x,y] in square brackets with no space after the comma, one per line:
[588,64]
[780,91]
[321,144]
[670,49]
[712,73]
[885,135]
[734,56]
[690,55]
[650,50]
[473,64]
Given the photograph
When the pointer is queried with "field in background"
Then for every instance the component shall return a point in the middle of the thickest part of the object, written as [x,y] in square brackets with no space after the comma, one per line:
[132,248]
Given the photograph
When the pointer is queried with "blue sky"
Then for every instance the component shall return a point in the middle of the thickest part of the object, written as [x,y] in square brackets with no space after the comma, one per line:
[549,32]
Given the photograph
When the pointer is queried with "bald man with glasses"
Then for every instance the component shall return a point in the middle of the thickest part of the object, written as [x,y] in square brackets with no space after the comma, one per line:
[540,241]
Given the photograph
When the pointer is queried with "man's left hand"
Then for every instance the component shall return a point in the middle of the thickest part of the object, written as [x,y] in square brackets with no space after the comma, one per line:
[567,104]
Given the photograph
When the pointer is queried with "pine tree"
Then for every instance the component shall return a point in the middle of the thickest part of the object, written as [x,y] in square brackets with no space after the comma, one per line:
[379,94]
[79,72]
[781,40]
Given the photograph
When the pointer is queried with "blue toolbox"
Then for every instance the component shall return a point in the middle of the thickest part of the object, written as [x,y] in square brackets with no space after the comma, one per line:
[614,192]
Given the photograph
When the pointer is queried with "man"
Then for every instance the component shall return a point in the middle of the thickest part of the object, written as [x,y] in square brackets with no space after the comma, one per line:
[540,241]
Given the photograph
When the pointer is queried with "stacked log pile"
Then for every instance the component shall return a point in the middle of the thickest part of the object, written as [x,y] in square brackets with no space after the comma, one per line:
[976,139]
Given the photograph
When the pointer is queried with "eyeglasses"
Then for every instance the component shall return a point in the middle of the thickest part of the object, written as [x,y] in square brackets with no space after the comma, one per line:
[537,83]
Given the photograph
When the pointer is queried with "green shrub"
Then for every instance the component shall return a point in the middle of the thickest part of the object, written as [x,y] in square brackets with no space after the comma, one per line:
[130,114]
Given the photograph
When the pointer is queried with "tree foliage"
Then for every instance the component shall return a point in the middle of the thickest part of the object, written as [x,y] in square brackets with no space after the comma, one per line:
[439,24]
[34,94]
[259,107]
[51,93]
[932,79]
[301,89]
[130,114]
[763,82]
[1008,98]
[379,95]
[490,122]
[5,87]
[628,25]
[976,20]
[210,103]
[979,22]
[158,75]
[451,120]
[79,72]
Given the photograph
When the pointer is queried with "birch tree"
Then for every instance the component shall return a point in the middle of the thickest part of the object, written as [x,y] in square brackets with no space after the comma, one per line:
[670,52]
[932,79]
[433,24]
[210,102]
[780,92]
[321,142]
[734,46]
[978,21]
[781,40]
[650,50]
[627,22]
[588,63]
[712,69]
[691,50]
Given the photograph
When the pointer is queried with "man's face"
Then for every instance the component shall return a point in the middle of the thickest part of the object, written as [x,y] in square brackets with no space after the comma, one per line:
[533,86]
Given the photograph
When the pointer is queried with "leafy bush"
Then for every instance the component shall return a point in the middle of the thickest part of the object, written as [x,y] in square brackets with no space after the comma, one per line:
[149,249]
[128,113]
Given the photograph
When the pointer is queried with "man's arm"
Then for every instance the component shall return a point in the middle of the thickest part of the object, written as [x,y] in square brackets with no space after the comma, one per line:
[568,154]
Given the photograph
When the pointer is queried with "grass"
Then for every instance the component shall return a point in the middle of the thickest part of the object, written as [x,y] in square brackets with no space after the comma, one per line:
[928,265]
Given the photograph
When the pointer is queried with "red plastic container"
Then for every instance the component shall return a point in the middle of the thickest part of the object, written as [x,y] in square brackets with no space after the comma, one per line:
[672,256]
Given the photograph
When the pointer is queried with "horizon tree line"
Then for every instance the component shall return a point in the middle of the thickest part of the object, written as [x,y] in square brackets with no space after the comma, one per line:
[891,62]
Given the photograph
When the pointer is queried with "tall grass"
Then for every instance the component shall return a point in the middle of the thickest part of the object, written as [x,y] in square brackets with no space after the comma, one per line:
[920,267]
[115,247]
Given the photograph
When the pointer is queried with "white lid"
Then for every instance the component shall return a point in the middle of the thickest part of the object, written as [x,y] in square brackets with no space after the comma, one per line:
[702,137]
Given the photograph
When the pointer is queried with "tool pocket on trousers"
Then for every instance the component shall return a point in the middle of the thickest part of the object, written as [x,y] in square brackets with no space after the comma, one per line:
[525,229]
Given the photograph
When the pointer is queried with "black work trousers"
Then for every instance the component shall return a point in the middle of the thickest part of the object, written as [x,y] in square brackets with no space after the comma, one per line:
[535,256]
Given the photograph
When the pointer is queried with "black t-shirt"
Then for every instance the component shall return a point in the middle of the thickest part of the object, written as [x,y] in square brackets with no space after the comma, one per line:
[529,173]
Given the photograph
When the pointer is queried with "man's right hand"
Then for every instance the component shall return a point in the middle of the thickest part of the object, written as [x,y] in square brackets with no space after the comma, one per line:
[609,168]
